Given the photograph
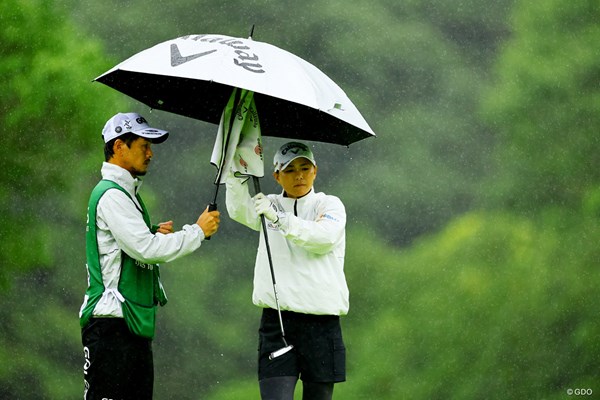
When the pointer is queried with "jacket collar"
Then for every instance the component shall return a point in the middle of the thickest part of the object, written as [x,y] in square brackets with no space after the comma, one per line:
[121,177]
[308,195]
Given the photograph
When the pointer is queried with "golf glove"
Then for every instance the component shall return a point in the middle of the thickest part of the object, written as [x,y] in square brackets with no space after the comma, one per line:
[264,206]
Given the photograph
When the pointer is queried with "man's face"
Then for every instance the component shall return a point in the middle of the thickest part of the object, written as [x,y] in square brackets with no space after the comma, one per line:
[297,178]
[136,157]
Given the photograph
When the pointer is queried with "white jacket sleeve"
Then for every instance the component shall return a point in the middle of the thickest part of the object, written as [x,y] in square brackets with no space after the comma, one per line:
[239,203]
[126,223]
[321,235]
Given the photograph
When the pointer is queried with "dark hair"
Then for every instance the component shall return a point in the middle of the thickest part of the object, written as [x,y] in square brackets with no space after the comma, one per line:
[109,148]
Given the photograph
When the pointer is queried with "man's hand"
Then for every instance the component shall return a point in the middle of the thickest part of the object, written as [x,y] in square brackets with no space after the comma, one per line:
[209,222]
[264,206]
[165,227]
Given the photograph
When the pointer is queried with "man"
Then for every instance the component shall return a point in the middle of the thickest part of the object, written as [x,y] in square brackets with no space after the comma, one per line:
[123,248]
[306,232]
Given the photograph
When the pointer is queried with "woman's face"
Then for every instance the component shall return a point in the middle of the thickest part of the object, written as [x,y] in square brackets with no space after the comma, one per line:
[297,178]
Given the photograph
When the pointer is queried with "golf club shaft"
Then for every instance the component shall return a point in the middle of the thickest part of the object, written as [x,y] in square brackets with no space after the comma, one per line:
[266,236]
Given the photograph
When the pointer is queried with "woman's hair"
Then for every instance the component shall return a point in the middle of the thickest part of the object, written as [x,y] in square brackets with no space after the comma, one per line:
[109,151]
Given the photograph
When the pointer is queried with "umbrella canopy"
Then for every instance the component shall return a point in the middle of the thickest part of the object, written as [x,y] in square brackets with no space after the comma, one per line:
[195,75]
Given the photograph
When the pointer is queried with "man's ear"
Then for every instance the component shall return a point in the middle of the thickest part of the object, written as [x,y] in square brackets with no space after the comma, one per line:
[119,143]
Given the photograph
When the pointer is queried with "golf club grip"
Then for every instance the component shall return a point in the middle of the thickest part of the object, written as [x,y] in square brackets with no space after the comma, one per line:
[266,236]
[211,207]
[256,185]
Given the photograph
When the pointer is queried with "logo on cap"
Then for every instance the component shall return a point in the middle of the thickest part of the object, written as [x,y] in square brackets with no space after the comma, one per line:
[294,148]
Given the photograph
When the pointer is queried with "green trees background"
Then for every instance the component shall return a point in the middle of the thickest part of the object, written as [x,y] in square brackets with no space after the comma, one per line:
[473,217]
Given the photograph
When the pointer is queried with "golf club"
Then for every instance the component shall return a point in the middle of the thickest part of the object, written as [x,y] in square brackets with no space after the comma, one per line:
[287,347]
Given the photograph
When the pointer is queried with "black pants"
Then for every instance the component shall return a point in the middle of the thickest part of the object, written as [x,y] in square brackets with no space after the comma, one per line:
[118,364]
[319,353]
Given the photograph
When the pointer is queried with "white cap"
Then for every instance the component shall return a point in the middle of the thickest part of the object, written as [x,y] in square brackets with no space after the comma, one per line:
[122,123]
[289,152]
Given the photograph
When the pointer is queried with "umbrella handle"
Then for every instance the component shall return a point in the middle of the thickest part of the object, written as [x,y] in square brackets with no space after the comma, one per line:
[211,207]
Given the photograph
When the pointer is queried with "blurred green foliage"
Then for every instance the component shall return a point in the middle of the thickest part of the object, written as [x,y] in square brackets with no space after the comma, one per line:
[494,306]
[545,107]
[45,70]
[473,218]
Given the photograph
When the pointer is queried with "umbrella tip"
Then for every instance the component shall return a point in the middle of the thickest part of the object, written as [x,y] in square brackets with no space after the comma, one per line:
[251,32]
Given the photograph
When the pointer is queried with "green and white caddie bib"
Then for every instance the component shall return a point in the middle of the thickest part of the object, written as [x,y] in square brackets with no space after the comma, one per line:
[139,283]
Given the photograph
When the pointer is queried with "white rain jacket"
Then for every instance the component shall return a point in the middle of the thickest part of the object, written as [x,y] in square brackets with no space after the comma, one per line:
[307,248]
[121,227]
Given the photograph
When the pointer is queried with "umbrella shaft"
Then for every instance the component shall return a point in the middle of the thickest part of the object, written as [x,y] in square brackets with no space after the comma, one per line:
[214,202]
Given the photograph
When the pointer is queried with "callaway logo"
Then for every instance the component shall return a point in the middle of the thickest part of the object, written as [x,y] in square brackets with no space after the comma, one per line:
[177,59]
[243,58]
[294,148]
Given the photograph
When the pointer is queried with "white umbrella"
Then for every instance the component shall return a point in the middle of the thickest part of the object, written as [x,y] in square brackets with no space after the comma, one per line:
[195,75]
